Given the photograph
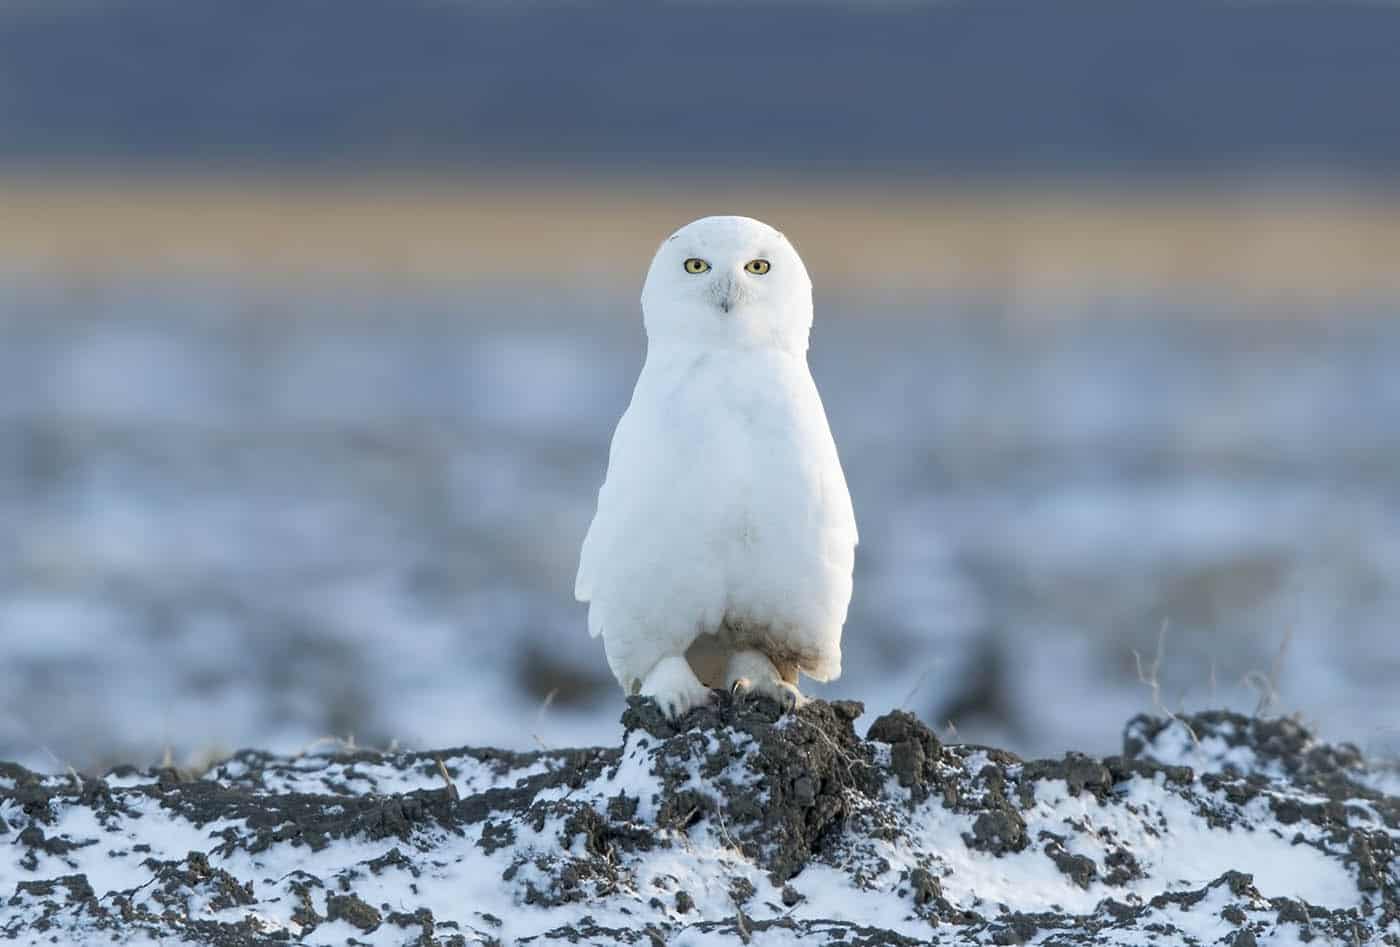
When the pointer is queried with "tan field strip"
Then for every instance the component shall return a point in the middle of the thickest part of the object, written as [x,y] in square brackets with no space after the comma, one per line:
[890,237]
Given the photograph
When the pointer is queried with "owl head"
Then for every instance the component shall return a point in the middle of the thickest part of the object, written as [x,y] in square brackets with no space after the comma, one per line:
[729,282]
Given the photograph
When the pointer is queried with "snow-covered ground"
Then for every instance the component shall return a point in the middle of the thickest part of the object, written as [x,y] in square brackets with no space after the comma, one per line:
[736,826]
[237,517]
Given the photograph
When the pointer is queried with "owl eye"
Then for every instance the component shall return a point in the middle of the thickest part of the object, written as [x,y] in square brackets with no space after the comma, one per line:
[758,267]
[696,265]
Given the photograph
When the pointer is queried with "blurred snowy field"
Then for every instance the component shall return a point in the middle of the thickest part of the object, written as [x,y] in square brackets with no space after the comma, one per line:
[235,517]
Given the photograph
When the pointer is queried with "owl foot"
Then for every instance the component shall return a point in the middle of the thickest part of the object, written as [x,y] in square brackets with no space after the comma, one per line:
[750,672]
[674,687]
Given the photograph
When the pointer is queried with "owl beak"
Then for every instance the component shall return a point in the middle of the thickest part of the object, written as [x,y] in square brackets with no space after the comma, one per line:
[727,293]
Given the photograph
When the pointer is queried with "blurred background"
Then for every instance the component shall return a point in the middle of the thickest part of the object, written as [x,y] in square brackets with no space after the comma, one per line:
[316,317]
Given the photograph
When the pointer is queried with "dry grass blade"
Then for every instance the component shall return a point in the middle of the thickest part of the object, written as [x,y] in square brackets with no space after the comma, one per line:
[1151,677]
[1266,684]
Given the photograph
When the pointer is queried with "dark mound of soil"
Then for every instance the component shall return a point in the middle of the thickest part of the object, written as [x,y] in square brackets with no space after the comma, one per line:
[735,822]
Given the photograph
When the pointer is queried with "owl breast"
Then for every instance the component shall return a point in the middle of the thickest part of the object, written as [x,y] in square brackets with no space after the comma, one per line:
[750,444]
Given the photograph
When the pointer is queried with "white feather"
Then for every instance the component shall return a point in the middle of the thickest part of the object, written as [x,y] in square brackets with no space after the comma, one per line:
[724,502]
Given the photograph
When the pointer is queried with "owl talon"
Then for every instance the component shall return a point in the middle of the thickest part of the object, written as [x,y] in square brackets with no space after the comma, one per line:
[674,687]
[751,673]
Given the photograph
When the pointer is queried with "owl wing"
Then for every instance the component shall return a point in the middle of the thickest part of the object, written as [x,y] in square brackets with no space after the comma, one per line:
[834,508]
[599,539]
[588,555]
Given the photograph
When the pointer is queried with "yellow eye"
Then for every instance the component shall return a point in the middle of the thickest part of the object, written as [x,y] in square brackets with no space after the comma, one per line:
[758,267]
[696,265]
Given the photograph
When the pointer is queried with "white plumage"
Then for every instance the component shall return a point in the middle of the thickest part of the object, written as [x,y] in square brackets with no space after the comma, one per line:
[722,548]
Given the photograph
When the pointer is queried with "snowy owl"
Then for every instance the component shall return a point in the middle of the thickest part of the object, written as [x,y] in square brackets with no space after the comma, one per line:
[722,548]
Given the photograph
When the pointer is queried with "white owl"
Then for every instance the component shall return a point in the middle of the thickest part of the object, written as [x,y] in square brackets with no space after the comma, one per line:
[722,549]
